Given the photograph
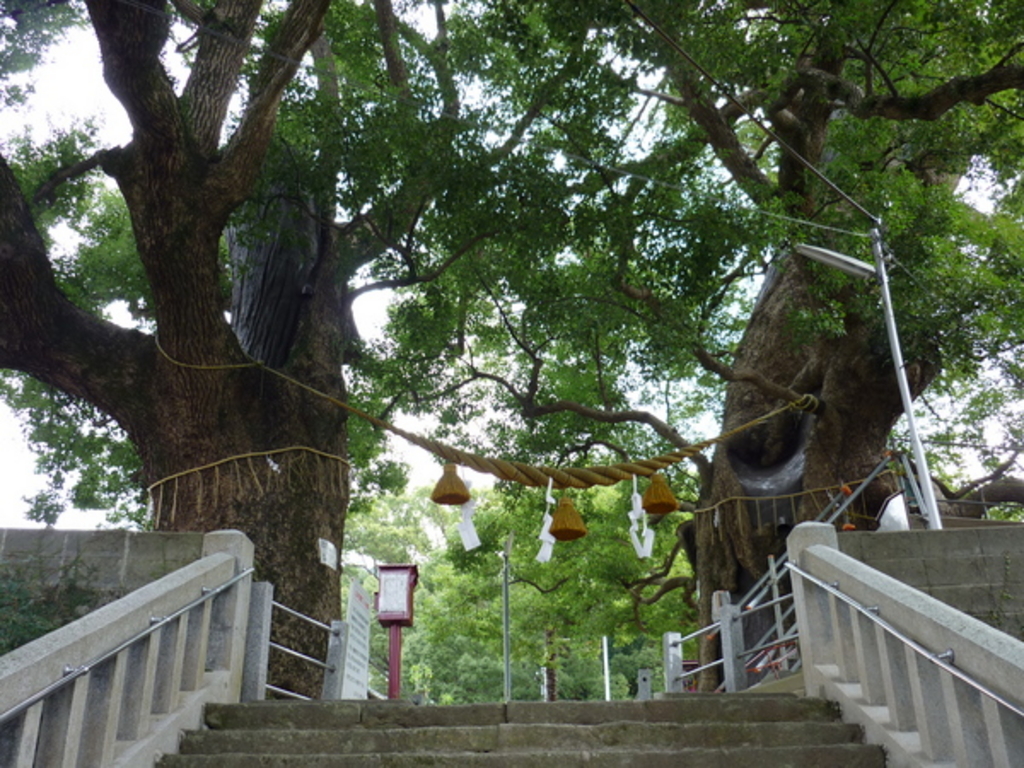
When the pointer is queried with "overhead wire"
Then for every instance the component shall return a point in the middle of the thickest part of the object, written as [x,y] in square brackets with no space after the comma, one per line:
[728,94]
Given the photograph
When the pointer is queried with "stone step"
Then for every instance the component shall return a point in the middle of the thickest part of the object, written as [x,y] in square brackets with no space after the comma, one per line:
[827,756]
[520,738]
[768,708]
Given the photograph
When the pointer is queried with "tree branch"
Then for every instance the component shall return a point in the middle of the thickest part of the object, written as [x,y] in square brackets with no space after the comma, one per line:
[722,138]
[434,274]
[47,192]
[43,334]
[538,587]
[299,29]
[131,38]
[939,100]
[224,39]
[189,10]
[770,388]
[387,25]
[662,429]
[996,475]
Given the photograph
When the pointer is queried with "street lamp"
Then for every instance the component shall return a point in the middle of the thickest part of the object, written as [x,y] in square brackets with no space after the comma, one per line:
[861,269]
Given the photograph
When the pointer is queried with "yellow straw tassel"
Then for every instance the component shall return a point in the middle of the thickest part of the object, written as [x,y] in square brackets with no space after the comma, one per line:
[658,498]
[450,489]
[566,523]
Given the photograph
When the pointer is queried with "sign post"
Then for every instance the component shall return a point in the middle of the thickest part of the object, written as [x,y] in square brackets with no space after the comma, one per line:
[356,677]
[394,611]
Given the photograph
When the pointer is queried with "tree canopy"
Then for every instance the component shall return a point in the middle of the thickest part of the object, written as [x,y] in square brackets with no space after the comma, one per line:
[588,240]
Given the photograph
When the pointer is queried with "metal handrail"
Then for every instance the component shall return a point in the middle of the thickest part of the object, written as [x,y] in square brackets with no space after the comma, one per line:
[751,601]
[329,668]
[693,635]
[937,659]
[698,670]
[286,693]
[784,640]
[827,515]
[309,659]
[73,673]
[302,616]
[775,629]
[749,609]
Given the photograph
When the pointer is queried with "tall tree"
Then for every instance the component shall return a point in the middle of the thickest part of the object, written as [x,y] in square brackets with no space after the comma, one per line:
[680,201]
[214,430]
[574,219]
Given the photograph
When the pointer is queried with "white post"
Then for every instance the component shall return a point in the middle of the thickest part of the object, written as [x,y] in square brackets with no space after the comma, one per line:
[931,506]
[672,660]
[607,675]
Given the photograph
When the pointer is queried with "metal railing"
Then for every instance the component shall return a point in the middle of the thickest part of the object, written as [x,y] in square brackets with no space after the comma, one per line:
[259,644]
[926,681]
[156,624]
[331,666]
[776,655]
[945,659]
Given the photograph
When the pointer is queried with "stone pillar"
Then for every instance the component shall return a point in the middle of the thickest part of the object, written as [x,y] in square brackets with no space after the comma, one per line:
[813,617]
[229,615]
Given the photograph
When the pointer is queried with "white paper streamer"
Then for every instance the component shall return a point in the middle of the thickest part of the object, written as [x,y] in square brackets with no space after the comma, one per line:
[547,540]
[470,539]
[641,536]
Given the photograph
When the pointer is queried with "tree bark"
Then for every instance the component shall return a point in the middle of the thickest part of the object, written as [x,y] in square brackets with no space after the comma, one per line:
[224,443]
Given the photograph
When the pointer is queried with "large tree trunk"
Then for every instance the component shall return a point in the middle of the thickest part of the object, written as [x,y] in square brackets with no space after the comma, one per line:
[224,442]
[257,454]
[795,454]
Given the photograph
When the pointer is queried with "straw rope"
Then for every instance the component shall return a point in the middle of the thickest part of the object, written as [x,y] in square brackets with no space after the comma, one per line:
[514,471]
[790,497]
[239,457]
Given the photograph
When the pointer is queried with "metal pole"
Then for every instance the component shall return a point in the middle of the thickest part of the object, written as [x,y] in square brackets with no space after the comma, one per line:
[506,626]
[395,661]
[931,506]
[607,674]
[779,629]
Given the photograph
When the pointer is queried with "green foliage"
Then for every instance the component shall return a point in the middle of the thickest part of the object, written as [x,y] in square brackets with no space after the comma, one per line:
[90,462]
[560,233]
[559,610]
[34,602]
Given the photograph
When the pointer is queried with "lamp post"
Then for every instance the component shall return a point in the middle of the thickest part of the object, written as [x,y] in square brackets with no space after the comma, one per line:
[862,269]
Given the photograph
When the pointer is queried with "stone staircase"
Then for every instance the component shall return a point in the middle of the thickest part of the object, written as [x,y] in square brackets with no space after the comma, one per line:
[705,730]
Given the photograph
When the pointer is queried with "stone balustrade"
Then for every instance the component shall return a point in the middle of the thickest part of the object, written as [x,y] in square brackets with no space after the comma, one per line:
[116,687]
[931,684]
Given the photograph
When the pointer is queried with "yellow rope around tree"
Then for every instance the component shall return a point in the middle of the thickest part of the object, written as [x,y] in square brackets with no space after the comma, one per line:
[791,497]
[514,471]
[156,500]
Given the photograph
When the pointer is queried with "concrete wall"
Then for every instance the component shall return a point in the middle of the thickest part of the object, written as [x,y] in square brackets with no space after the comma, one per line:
[979,571]
[110,562]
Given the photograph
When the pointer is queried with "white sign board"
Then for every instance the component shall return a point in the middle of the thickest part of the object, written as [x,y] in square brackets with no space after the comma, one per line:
[357,649]
[328,554]
[394,592]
